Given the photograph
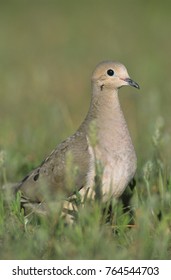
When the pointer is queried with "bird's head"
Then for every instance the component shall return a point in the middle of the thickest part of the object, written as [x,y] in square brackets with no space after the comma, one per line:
[111,76]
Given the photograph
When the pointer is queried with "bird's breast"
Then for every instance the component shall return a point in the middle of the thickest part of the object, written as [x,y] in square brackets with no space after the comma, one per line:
[118,165]
[119,169]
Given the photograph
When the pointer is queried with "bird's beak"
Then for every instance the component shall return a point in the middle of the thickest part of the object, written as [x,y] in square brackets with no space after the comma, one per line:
[132,83]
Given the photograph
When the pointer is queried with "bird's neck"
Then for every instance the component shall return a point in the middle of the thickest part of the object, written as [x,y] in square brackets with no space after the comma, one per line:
[105,104]
[106,111]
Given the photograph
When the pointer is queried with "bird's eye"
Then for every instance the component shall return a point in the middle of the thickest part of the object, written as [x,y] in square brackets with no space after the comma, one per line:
[110,72]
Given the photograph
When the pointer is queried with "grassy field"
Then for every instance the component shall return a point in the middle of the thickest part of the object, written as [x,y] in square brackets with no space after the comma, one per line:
[48,51]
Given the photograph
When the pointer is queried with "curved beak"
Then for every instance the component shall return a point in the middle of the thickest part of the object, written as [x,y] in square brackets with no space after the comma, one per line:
[132,83]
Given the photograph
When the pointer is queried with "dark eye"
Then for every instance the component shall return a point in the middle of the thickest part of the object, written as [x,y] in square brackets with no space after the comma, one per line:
[110,72]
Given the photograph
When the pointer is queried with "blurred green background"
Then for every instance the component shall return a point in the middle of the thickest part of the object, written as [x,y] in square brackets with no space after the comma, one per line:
[48,50]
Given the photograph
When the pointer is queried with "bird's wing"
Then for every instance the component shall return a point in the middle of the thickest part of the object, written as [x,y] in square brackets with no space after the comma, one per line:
[49,179]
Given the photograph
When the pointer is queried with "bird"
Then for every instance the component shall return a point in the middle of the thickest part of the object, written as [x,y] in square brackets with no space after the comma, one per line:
[112,149]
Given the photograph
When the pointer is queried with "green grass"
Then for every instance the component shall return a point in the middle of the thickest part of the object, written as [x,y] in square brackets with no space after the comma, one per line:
[47,54]
[137,226]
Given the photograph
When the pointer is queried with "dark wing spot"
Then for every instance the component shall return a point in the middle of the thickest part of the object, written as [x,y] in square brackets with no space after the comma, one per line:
[36,177]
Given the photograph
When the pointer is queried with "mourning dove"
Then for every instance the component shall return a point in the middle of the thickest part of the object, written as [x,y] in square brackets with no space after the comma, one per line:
[113,147]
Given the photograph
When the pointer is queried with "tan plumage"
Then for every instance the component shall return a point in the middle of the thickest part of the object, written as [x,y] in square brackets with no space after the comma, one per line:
[113,148]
